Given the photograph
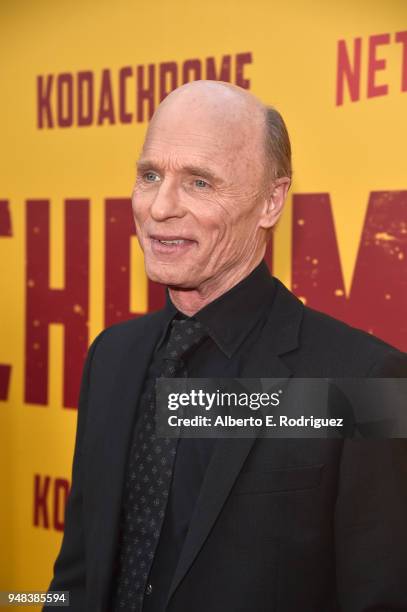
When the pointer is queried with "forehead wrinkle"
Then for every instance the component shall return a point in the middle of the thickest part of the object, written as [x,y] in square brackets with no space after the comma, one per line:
[185,135]
[203,144]
[216,158]
[185,155]
[217,135]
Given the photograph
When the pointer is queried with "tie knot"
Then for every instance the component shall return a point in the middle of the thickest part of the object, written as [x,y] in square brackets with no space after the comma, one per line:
[185,335]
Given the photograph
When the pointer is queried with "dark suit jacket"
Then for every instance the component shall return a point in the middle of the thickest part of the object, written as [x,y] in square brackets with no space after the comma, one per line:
[285,525]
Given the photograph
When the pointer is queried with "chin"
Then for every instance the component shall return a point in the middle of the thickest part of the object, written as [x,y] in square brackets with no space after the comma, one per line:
[168,275]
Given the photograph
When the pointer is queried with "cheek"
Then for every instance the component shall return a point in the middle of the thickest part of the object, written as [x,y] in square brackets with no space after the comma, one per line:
[217,217]
[232,225]
[227,222]
[213,228]
[140,207]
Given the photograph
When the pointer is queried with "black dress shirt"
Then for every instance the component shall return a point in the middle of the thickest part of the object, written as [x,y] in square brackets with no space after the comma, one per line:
[234,322]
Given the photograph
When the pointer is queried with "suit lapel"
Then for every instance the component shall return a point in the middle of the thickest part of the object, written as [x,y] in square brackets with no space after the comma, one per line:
[114,448]
[279,335]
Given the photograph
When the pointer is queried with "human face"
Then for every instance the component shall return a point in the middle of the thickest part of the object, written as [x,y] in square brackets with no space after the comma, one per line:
[196,201]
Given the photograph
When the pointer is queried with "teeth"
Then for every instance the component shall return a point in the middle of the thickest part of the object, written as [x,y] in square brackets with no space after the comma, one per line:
[172,241]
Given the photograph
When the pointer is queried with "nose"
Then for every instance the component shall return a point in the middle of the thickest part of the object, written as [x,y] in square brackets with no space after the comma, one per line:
[166,202]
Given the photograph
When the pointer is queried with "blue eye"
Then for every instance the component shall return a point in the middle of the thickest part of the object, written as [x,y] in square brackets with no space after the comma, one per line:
[201,183]
[150,177]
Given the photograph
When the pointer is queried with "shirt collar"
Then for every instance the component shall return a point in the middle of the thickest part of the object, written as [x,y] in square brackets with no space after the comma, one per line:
[230,318]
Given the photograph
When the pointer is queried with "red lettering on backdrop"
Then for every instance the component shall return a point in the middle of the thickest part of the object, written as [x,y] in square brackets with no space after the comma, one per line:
[124,115]
[241,60]
[106,106]
[65,99]
[401,37]
[224,74]
[5,232]
[119,228]
[145,92]
[61,492]
[316,266]
[378,296]
[44,110]
[168,78]
[348,71]
[85,98]
[5,375]
[375,64]
[45,487]
[5,219]
[67,306]
[41,491]
[155,296]
[191,70]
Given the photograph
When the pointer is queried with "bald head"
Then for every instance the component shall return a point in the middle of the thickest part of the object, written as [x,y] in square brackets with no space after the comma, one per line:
[223,101]
[221,116]
[232,108]
[206,195]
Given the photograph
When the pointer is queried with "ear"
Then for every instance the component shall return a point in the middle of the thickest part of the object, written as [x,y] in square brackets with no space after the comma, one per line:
[274,202]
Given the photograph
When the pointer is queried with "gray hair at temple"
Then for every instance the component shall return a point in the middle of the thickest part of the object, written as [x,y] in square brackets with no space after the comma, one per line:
[278,147]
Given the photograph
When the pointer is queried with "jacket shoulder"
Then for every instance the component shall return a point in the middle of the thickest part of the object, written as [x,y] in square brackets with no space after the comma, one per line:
[326,344]
[358,351]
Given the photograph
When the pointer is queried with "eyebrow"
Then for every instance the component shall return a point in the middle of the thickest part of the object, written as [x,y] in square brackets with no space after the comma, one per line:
[144,164]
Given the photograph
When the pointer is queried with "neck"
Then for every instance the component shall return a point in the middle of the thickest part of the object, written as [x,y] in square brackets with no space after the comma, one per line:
[190,301]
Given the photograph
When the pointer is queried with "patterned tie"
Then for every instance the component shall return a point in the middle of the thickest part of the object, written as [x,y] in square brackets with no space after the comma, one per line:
[149,476]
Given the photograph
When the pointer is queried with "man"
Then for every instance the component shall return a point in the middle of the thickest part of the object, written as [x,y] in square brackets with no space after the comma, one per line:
[238,525]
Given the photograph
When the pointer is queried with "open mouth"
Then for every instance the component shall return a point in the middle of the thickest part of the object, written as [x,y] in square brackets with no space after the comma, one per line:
[173,241]
[170,244]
